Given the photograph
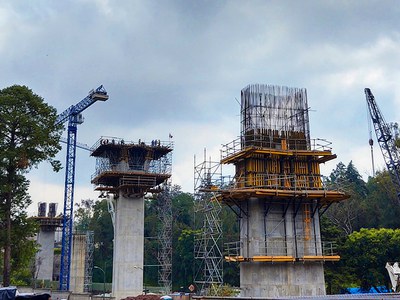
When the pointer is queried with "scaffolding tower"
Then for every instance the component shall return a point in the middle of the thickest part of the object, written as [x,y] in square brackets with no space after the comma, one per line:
[164,201]
[87,285]
[208,242]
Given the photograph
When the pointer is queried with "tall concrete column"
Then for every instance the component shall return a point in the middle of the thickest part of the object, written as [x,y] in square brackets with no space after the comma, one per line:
[45,238]
[128,247]
[78,260]
[280,232]
[45,256]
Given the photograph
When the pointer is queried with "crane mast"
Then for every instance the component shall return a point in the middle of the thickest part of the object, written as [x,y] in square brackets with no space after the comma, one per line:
[386,141]
[74,117]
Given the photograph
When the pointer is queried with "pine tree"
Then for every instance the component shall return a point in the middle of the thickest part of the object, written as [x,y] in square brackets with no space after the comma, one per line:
[28,135]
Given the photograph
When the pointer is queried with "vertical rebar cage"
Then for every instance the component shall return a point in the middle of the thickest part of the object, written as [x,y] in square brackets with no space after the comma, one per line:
[275,117]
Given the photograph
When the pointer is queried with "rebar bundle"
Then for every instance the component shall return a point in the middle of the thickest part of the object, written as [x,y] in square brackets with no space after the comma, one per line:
[274,112]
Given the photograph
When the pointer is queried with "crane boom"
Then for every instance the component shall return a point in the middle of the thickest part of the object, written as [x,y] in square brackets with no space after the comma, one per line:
[73,116]
[386,140]
[99,94]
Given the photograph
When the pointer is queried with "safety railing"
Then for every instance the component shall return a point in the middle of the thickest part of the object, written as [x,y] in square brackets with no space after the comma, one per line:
[279,182]
[242,143]
[329,248]
[151,168]
[296,246]
[107,159]
[105,140]
[137,181]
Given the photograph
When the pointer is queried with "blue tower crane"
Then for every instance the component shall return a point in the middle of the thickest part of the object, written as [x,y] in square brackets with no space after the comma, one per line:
[74,117]
[386,140]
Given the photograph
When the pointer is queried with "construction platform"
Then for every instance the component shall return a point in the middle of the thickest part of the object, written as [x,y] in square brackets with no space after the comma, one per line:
[125,164]
[277,173]
[48,223]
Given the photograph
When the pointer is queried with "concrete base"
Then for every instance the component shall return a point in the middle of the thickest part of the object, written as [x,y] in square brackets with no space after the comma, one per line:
[128,247]
[281,279]
[285,230]
[45,256]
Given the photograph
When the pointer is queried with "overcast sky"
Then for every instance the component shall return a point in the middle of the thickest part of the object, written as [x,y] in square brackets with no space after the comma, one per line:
[178,67]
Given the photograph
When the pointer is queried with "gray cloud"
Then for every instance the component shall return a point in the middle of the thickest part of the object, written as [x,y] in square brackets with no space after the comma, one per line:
[177,66]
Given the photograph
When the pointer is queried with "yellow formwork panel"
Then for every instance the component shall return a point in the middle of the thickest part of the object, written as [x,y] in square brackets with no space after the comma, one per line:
[282,258]
[307,222]
[320,258]
[234,258]
[249,152]
[270,258]
[242,194]
[265,170]
[282,171]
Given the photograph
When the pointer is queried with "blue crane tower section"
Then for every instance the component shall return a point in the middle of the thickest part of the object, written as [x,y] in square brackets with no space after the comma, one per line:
[74,117]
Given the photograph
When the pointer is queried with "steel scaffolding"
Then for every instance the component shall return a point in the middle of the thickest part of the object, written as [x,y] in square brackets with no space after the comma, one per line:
[209,270]
[87,285]
[133,167]
[164,200]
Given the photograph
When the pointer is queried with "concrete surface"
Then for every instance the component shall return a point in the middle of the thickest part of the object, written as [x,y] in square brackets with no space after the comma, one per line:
[128,247]
[45,256]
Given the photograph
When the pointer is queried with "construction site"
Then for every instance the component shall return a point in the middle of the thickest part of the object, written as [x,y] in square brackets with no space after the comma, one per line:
[276,192]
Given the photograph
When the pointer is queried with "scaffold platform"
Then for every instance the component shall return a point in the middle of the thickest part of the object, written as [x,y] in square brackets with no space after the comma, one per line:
[131,167]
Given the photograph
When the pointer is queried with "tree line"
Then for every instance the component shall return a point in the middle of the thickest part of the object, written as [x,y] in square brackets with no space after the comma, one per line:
[365,227]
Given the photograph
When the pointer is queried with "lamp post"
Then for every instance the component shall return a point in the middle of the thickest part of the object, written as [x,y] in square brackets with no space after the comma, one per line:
[104,280]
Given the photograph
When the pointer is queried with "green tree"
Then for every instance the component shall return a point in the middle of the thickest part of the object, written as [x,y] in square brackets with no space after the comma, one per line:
[366,252]
[101,224]
[337,276]
[94,216]
[23,250]
[182,210]
[381,206]
[83,214]
[230,229]
[28,136]
[183,259]
[347,214]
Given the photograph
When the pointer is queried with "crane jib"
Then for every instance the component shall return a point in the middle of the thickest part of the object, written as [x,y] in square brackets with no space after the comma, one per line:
[99,94]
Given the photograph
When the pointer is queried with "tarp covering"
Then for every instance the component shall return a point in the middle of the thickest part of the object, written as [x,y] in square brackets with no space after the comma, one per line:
[44,296]
[7,293]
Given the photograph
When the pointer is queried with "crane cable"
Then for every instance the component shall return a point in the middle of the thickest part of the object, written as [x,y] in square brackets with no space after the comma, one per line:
[371,141]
